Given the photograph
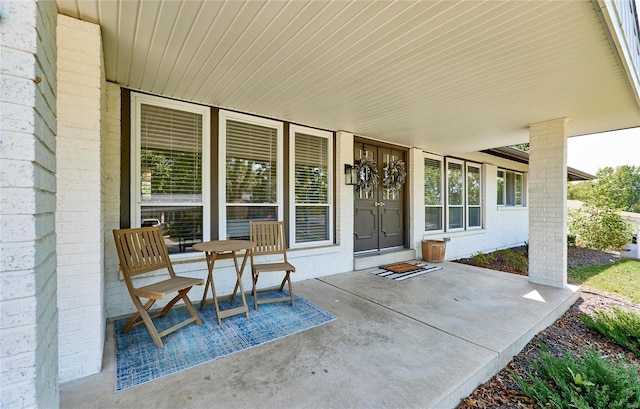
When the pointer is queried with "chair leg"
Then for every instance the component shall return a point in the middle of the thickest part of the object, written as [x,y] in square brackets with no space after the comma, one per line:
[142,311]
[132,321]
[187,302]
[254,291]
[288,278]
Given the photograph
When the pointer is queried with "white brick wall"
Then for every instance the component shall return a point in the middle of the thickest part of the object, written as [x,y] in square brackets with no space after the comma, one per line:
[548,203]
[28,312]
[79,217]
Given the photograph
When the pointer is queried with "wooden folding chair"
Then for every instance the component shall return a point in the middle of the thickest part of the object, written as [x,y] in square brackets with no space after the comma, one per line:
[269,240]
[142,250]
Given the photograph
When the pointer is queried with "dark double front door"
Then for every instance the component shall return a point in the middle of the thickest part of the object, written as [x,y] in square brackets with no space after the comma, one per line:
[379,214]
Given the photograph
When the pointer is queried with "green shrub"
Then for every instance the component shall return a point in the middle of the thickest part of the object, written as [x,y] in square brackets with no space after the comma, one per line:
[481,259]
[515,260]
[588,382]
[621,326]
[571,240]
[599,227]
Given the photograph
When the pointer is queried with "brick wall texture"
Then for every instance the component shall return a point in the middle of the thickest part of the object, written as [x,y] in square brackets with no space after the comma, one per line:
[548,203]
[28,311]
[79,215]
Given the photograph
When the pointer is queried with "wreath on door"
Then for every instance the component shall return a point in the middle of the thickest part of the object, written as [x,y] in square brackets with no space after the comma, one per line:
[367,170]
[395,175]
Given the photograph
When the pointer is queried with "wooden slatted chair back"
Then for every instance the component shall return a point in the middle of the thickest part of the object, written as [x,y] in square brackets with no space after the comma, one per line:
[142,250]
[268,238]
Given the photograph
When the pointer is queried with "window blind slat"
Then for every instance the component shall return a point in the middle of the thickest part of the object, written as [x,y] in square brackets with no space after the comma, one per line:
[311,169]
[170,155]
[251,163]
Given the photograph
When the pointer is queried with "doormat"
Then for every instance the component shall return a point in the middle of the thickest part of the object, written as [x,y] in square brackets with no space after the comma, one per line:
[403,271]
[139,361]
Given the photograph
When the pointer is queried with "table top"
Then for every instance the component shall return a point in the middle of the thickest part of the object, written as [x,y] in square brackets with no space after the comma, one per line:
[223,246]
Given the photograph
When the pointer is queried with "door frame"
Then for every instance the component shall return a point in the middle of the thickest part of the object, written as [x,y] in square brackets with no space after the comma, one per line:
[405,192]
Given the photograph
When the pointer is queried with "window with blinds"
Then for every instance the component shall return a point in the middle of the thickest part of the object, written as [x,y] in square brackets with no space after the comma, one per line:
[251,171]
[168,167]
[311,161]
[433,194]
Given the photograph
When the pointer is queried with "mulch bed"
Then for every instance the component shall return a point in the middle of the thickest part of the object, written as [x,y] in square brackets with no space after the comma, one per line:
[568,333]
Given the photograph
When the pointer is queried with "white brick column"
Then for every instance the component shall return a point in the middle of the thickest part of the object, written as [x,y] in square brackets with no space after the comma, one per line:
[416,199]
[548,203]
[29,315]
[80,216]
[344,193]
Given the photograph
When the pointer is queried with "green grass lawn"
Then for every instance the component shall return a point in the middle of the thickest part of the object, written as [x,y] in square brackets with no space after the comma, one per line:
[621,278]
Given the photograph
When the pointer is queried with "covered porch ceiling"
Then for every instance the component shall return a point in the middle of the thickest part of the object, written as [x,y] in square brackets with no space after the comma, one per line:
[445,76]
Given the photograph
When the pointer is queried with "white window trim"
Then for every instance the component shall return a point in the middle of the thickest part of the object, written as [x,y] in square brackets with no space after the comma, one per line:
[442,194]
[223,117]
[466,194]
[292,178]
[136,196]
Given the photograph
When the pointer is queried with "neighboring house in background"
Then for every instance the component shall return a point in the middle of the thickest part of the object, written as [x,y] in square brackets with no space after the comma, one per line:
[204,115]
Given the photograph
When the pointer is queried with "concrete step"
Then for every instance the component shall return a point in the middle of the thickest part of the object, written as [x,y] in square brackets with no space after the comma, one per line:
[370,260]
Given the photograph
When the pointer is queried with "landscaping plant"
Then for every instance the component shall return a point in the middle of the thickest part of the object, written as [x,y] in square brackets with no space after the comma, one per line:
[599,227]
[591,381]
[621,326]
[482,259]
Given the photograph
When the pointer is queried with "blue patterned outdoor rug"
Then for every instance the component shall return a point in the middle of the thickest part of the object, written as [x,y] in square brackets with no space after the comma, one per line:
[403,271]
[139,361]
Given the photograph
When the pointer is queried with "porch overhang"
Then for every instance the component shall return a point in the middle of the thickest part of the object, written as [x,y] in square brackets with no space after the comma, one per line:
[449,77]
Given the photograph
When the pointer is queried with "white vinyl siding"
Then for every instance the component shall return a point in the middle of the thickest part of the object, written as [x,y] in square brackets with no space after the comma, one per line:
[250,164]
[311,175]
[433,193]
[170,168]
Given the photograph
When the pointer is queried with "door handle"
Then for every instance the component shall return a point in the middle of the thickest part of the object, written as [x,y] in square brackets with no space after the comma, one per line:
[381,203]
[376,204]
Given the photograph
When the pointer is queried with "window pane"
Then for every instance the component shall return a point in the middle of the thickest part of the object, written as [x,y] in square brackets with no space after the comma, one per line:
[455,218]
[474,217]
[518,190]
[432,218]
[181,225]
[455,182]
[473,185]
[238,219]
[511,195]
[312,223]
[311,169]
[251,163]
[170,155]
[432,181]
[500,187]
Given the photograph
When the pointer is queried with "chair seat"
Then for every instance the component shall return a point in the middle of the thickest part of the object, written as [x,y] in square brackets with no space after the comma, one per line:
[264,267]
[157,291]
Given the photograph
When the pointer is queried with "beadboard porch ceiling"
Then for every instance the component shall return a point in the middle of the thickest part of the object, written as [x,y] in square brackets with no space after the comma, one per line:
[446,76]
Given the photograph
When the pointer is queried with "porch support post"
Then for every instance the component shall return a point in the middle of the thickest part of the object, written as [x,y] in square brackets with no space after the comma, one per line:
[548,203]
[344,194]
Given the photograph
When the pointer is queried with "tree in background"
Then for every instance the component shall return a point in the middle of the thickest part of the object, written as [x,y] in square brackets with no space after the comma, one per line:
[617,188]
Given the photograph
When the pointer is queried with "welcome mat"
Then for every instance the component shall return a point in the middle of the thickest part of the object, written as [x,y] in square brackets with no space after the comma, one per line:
[139,361]
[403,271]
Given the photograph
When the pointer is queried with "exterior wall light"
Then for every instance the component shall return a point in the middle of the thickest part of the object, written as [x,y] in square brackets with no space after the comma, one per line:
[350,174]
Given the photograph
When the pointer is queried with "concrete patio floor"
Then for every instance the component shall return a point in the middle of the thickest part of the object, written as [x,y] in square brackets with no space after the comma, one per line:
[425,342]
